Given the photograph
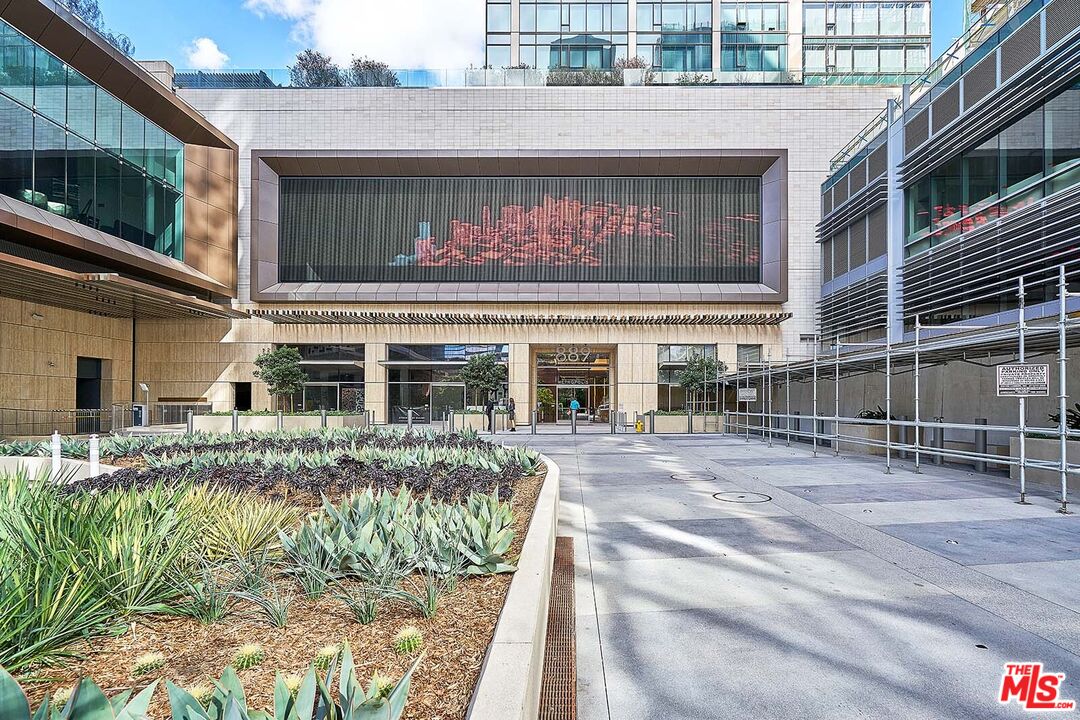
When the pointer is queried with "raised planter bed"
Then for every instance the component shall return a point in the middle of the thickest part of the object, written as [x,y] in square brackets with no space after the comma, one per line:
[675,424]
[870,433]
[1047,450]
[265,423]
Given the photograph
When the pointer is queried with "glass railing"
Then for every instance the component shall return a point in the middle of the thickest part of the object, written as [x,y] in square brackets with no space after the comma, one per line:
[450,78]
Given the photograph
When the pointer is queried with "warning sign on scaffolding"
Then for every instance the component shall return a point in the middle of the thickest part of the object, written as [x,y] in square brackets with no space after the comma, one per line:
[747,394]
[1023,380]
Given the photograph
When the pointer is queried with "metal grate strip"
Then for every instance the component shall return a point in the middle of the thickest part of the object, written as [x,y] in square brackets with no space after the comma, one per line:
[558,689]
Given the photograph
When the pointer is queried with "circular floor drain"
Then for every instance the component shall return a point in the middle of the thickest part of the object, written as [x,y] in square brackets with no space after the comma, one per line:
[742,497]
[692,476]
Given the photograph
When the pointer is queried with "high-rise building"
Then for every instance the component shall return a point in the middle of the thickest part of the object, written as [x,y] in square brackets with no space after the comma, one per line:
[886,43]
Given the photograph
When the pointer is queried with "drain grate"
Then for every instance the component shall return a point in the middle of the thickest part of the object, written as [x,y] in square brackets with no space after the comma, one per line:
[558,688]
[742,497]
[693,476]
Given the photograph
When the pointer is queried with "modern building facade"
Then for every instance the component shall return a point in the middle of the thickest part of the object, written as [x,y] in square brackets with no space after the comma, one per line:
[885,43]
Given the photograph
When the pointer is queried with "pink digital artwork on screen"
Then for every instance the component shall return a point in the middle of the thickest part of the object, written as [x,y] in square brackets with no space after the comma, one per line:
[569,232]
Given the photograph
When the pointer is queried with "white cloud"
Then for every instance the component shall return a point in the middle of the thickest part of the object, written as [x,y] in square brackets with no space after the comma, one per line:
[401,33]
[204,54]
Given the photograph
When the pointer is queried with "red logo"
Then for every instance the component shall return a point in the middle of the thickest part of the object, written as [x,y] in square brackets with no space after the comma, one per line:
[1032,688]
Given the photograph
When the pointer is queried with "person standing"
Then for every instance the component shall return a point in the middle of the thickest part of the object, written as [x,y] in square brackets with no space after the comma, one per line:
[489,411]
[511,420]
[574,407]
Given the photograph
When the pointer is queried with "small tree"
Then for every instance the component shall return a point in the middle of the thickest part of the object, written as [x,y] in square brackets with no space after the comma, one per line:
[364,72]
[280,370]
[699,375]
[90,13]
[313,69]
[483,373]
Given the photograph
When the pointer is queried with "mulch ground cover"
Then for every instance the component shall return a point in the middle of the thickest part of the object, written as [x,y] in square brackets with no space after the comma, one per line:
[455,641]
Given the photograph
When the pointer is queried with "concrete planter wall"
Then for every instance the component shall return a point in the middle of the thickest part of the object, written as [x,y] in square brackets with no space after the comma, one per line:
[509,684]
[673,424]
[1048,450]
[34,466]
[263,423]
[870,433]
[479,422]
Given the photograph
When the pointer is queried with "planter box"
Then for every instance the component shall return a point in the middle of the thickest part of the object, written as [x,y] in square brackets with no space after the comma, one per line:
[1046,450]
[479,422]
[264,423]
[870,433]
[509,683]
[675,424]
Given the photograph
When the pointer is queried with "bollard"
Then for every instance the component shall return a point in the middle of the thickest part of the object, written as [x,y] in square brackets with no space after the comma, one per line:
[652,422]
[535,419]
[95,456]
[980,445]
[280,419]
[451,420]
[55,453]
[491,421]
[235,421]
[690,422]
[939,442]
[190,421]
[322,417]
[573,423]
[611,422]
[408,420]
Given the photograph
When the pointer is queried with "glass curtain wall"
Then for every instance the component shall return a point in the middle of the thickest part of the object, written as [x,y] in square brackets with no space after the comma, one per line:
[675,36]
[573,372]
[1035,156]
[885,39]
[335,378]
[71,148]
[671,360]
[423,379]
[574,35]
[754,37]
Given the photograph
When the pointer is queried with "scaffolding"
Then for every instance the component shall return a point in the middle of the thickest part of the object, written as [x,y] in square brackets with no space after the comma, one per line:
[918,438]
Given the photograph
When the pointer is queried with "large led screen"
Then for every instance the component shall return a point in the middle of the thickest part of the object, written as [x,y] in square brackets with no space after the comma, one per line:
[624,229]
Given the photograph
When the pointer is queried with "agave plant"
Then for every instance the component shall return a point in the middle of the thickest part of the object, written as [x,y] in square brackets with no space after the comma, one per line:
[86,702]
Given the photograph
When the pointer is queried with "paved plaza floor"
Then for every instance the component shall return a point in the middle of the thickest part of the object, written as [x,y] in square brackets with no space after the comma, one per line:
[842,592]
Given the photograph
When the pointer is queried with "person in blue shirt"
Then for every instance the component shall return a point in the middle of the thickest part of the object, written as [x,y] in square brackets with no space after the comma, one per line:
[574,406]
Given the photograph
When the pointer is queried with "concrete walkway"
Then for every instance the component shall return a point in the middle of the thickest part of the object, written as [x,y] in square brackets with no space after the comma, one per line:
[843,593]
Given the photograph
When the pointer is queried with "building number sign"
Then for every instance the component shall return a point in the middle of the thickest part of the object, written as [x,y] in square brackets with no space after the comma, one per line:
[573,354]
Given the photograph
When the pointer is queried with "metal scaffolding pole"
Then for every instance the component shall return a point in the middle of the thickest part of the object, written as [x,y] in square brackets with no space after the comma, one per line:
[748,407]
[768,396]
[723,407]
[1021,330]
[918,333]
[836,400]
[888,405]
[1063,397]
[787,401]
[814,419]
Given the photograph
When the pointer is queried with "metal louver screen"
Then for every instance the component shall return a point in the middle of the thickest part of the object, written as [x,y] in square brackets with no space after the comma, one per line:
[840,253]
[946,108]
[561,229]
[1020,49]
[857,242]
[877,239]
[916,131]
[1062,17]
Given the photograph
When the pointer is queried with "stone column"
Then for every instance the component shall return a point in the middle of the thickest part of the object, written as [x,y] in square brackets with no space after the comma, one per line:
[519,375]
[635,378]
[375,381]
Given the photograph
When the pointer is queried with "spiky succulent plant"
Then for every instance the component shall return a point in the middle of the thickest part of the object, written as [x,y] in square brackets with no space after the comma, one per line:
[381,686]
[202,693]
[409,640]
[326,655]
[60,698]
[148,663]
[293,683]
[248,656]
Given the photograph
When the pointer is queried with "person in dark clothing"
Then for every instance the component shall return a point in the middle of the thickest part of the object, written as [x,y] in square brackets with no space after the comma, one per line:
[511,420]
[489,411]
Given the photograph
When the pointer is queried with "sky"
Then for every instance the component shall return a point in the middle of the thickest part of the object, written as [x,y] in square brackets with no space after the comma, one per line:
[267,34]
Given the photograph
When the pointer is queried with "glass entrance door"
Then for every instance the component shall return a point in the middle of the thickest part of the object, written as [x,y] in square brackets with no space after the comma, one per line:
[565,394]
[446,397]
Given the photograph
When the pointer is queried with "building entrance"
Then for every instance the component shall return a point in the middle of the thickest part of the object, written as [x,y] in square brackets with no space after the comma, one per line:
[573,372]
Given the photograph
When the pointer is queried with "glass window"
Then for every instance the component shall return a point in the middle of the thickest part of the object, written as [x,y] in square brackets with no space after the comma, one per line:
[16,65]
[107,193]
[865,59]
[498,55]
[673,17]
[133,137]
[1022,151]
[947,187]
[891,59]
[498,18]
[770,59]
[864,19]
[50,166]
[703,19]
[618,18]
[154,220]
[981,173]
[842,19]
[917,58]
[547,18]
[50,86]
[577,18]
[155,150]
[892,19]
[107,128]
[747,354]
[81,92]
[728,18]
[813,19]
[814,58]
[1063,129]
[173,230]
[16,150]
[174,161]
[594,19]
[132,204]
[843,59]
[918,18]
[528,18]
[80,179]
[770,18]
[918,207]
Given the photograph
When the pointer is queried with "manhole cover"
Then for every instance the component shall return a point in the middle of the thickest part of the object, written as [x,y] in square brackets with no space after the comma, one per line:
[741,497]
[693,476]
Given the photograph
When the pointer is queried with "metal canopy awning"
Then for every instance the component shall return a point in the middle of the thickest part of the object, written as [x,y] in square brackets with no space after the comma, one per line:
[358,317]
[102,294]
